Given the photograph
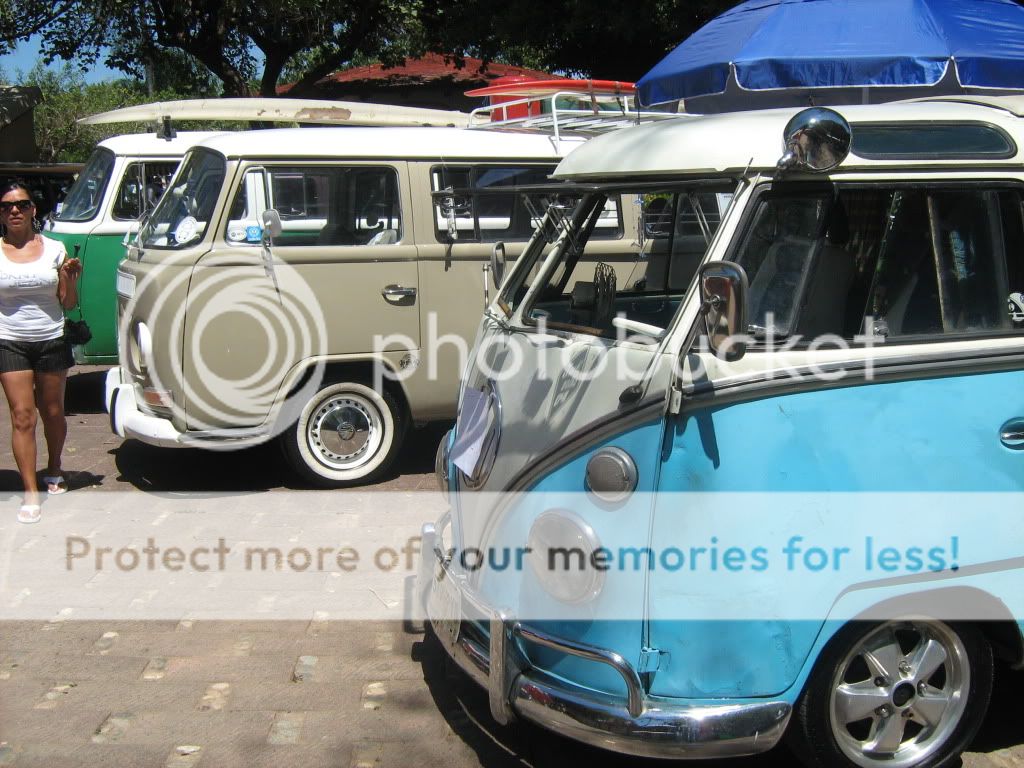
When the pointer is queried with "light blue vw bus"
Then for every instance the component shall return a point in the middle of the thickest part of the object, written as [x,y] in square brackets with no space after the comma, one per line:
[760,473]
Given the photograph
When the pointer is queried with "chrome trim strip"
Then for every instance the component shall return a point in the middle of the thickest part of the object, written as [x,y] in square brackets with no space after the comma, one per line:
[903,368]
[225,435]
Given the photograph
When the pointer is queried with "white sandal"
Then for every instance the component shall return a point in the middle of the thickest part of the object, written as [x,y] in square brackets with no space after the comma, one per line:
[55,484]
[30,513]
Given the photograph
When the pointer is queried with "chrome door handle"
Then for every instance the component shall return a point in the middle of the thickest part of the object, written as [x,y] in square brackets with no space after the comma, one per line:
[397,292]
[1012,433]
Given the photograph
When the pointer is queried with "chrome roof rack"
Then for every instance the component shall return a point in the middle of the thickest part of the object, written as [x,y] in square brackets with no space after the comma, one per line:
[577,113]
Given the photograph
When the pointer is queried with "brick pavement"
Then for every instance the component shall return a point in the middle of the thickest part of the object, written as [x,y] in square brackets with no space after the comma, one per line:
[192,693]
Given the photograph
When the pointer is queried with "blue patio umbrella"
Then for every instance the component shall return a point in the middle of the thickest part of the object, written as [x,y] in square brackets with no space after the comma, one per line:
[773,52]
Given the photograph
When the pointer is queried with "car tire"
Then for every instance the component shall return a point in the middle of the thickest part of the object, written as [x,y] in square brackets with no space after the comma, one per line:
[346,434]
[896,694]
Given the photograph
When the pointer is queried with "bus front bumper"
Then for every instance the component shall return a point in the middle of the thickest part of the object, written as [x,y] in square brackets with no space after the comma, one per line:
[636,725]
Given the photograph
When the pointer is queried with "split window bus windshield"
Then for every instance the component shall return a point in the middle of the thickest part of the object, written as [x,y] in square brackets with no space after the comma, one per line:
[642,277]
[86,194]
[181,217]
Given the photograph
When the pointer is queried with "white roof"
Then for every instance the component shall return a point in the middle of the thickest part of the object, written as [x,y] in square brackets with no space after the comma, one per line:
[731,143]
[147,144]
[444,143]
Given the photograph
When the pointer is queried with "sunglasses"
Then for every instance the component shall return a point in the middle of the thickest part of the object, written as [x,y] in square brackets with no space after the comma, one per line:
[21,205]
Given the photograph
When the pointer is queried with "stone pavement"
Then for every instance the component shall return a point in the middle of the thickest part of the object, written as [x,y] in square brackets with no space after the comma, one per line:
[185,693]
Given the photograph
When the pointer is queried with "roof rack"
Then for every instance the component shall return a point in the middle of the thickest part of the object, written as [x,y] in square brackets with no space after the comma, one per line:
[571,112]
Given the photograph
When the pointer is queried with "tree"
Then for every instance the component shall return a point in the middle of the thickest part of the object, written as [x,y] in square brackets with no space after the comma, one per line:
[588,38]
[237,40]
[241,42]
[67,97]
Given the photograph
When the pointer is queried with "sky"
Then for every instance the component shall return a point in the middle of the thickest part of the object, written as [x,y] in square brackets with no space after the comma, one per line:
[26,54]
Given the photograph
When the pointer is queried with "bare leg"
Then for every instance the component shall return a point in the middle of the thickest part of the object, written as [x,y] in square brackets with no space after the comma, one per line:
[50,401]
[21,399]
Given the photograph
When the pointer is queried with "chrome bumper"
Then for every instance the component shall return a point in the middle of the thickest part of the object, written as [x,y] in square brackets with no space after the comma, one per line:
[637,725]
[127,419]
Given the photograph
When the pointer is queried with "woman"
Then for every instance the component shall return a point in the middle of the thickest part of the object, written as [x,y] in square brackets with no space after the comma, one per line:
[37,282]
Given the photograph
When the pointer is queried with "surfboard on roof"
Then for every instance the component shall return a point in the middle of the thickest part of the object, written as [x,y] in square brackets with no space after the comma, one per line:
[282,110]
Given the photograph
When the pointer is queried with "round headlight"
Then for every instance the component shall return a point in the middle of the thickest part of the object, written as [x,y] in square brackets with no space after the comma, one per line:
[562,545]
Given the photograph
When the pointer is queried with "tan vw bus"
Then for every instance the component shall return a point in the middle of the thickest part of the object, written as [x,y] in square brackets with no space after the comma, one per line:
[320,287]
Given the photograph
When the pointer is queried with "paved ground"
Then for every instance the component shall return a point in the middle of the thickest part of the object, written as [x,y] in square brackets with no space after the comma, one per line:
[305,694]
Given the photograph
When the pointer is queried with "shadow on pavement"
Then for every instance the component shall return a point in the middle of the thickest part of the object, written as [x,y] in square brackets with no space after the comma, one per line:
[1001,729]
[84,393]
[11,485]
[260,468]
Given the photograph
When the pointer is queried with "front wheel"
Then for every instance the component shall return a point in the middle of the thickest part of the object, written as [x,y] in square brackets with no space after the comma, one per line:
[898,694]
[347,434]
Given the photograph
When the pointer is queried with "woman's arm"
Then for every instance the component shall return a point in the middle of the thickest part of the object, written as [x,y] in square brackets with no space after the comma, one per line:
[67,283]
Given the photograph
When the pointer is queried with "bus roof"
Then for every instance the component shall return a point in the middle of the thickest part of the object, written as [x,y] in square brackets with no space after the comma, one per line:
[734,142]
[148,144]
[376,142]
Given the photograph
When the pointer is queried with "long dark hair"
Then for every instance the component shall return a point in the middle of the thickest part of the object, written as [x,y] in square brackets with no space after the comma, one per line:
[12,185]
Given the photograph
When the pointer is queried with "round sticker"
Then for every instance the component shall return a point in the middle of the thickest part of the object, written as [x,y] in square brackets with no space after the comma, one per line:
[187,230]
[236,233]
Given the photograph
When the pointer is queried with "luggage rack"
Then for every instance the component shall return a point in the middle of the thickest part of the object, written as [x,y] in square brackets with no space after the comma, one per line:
[603,113]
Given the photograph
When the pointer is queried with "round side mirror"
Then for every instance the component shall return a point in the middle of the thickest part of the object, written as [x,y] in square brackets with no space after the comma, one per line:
[498,263]
[816,139]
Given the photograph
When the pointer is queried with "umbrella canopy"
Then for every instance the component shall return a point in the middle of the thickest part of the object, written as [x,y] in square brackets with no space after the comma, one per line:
[763,52]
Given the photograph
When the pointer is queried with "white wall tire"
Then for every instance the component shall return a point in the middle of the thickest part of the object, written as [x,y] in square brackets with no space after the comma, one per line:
[346,434]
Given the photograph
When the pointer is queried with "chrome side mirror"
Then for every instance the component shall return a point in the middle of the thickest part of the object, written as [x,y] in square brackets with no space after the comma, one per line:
[271,221]
[498,263]
[815,139]
[723,294]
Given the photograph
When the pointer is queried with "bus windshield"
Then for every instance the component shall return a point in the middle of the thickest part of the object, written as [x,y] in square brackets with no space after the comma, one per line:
[86,194]
[181,217]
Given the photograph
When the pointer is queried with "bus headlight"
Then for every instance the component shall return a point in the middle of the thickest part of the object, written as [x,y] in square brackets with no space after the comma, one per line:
[562,547]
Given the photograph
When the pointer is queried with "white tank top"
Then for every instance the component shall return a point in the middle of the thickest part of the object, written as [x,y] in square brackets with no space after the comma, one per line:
[29,309]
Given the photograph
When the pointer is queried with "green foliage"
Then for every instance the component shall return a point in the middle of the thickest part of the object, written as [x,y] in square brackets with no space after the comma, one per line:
[231,39]
[67,97]
[245,48]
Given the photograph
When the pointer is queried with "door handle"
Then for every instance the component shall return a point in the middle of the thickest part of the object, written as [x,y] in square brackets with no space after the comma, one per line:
[397,292]
[1012,433]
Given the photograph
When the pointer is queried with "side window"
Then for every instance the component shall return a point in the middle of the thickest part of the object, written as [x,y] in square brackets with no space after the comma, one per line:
[320,205]
[912,262]
[489,213]
[141,188]
[956,278]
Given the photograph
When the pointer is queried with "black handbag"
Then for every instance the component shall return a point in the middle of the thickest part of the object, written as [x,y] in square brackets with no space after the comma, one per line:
[76,332]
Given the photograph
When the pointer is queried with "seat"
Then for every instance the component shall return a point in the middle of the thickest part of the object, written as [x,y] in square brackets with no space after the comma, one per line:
[778,287]
[335,234]
[384,237]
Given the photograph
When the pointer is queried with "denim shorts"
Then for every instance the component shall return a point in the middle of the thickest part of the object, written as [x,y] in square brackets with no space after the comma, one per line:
[40,356]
